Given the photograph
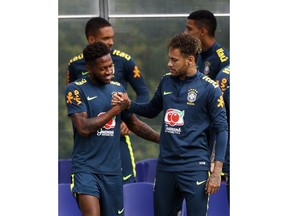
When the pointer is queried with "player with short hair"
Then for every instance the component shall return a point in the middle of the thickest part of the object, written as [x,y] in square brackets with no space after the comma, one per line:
[125,71]
[96,172]
[190,102]
[214,56]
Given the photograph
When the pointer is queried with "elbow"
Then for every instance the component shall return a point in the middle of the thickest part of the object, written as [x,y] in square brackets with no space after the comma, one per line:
[84,133]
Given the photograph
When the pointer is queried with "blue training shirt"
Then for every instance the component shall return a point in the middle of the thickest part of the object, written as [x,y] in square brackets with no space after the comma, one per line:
[100,152]
[213,60]
[189,107]
[126,71]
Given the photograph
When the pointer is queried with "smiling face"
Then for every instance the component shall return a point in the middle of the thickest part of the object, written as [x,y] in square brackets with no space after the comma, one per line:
[101,71]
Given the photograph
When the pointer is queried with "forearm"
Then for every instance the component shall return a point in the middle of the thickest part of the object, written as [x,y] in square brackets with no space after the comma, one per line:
[145,110]
[221,145]
[146,132]
[143,130]
[218,165]
[142,96]
[87,126]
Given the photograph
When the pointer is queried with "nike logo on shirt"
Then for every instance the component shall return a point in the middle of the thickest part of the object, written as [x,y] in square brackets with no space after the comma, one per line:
[91,98]
[166,93]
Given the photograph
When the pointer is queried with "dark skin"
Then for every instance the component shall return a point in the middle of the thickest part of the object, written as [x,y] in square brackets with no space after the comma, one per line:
[105,35]
[101,72]
[200,32]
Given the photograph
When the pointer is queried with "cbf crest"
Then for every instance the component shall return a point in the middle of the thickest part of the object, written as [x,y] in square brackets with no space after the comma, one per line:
[207,68]
[192,95]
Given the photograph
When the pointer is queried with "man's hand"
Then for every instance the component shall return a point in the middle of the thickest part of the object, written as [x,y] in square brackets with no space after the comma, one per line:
[120,98]
[124,129]
[214,181]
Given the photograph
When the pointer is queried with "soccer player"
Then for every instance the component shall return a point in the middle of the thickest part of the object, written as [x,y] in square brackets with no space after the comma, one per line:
[223,79]
[125,71]
[214,57]
[96,179]
[224,76]
[190,102]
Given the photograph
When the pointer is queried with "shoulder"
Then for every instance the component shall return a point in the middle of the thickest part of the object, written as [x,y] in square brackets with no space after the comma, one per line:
[222,53]
[115,83]
[116,86]
[223,78]
[119,54]
[76,85]
[207,81]
[78,82]
[217,47]
[226,70]
[224,73]
[166,76]
[76,58]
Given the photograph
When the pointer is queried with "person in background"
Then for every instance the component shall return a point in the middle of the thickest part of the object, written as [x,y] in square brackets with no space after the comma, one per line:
[224,77]
[96,179]
[190,102]
[223,80]
[126,72]
[213,58]
[202,24]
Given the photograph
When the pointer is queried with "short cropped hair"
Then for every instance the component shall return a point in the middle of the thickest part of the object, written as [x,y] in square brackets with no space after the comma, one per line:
[187,44]
[204,18]
[94,25]
[94,51]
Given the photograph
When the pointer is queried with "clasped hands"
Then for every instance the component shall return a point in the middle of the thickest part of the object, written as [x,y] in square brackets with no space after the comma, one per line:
[122,99]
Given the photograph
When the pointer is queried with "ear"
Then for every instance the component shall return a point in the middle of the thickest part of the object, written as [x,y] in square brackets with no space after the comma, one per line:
[91,39]
[88,68]
[190,60]
[204,31]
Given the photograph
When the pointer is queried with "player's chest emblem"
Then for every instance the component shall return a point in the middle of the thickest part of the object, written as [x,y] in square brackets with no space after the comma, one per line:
[207,68]
[192,95]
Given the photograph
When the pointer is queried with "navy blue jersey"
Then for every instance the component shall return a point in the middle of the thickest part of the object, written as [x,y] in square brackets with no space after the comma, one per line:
[213,60]
[126,71]
[100,152]
[223,78]
[226,96]
[189,107]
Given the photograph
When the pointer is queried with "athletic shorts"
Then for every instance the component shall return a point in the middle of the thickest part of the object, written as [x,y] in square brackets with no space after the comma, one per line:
[107,188]
[172,187]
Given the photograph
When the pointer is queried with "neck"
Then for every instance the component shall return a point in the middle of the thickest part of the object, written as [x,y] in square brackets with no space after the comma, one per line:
[207,44]
[191,71]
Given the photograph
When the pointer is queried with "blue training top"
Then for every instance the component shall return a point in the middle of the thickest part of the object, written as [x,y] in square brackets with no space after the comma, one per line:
[189,107]
[126,71]
[213,60]
[100,152]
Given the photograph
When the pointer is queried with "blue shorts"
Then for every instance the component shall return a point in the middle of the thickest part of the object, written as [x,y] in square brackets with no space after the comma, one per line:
[107,188]
[172,187]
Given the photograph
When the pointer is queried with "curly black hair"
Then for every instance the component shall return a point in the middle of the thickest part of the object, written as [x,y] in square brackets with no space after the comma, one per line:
[187,44]
[95,51]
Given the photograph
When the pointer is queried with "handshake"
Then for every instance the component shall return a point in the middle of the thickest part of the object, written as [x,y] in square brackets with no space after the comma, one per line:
[122,99]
